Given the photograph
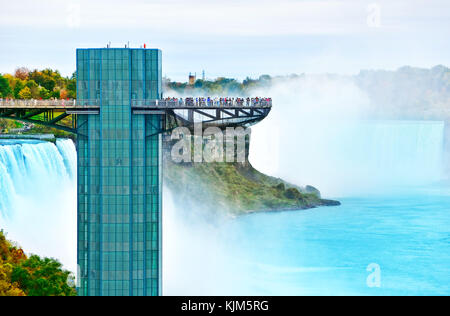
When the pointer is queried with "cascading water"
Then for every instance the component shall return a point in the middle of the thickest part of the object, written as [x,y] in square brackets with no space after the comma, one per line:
[377,156]
[38,197]
[320,133]
[353,158]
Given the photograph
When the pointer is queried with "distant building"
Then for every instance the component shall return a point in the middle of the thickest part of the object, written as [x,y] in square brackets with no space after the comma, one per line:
[192,79]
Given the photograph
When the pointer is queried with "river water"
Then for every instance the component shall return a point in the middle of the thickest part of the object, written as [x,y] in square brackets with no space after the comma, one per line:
[328,250]
[323,251]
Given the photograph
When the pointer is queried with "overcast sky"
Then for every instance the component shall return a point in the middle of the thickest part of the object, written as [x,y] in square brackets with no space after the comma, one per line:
[234,38]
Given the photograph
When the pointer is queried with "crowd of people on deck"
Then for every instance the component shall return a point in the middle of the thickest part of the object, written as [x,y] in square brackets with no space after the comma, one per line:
[38,101]
[199,101]
[209,101]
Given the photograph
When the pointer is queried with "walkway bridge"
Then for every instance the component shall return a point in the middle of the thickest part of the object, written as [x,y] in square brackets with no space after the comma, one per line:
[62,114]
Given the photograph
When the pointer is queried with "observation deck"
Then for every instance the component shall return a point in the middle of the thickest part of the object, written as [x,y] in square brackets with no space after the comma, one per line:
[218,112]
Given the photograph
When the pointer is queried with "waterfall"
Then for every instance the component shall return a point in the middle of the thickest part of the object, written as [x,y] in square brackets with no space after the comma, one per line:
[355,157]
[398,152]
[38,196]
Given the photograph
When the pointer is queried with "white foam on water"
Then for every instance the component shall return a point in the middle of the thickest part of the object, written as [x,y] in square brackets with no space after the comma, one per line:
[38,197]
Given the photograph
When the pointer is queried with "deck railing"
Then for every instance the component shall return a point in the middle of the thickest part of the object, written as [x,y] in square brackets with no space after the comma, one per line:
[202,102]
[4,103]
[166,103]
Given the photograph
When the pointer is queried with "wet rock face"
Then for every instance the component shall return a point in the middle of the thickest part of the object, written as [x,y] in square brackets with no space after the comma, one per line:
[210,148]
[233,187]
[312,190]
[330,203]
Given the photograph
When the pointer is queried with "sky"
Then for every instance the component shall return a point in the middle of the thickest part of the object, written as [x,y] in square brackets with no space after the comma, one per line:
[233,38]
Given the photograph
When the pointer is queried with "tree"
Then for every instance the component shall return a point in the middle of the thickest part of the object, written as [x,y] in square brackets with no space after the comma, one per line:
[5,89]
[63,94]
[43,277]
[43,84]
[18,86]
[25,94]
[20,276]
[72,87]
[34,88]
[56,93]
[9,255]
[6,287]
[293,193]
[44,93]
[22,73]
[11,80]
[44,79]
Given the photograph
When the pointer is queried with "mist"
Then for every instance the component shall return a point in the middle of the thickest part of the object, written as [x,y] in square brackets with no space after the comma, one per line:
[39,200]
[321,132]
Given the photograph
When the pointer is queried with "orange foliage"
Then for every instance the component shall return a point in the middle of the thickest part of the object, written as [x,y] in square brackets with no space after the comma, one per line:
[9,255]
[63,94]
[22,73]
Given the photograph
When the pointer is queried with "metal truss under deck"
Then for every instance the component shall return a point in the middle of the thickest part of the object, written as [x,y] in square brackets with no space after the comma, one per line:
[51,113]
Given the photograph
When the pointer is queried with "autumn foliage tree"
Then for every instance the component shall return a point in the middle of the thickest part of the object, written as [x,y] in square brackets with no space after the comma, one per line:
[63,94]
[9,257]
[22,73]
[41,84]
[25,93]
[34,276]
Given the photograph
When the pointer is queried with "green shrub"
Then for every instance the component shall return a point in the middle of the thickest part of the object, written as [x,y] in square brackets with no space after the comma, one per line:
[293,193]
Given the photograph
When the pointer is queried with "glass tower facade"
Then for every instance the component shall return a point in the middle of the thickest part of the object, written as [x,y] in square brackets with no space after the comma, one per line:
[119,174]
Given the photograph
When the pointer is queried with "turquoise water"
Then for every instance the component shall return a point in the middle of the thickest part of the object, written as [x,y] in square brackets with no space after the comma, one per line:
[327,250]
